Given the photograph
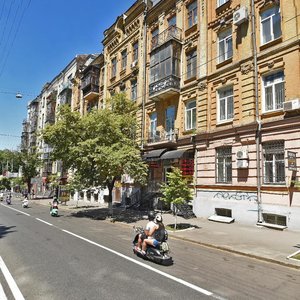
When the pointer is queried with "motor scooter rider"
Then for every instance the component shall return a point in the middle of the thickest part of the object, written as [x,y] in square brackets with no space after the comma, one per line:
[54,203]
[25,202]
[156,234]
[148,228]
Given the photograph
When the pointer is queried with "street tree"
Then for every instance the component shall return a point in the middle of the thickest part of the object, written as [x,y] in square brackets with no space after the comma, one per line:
[30,163]
[175,190]
[100,146]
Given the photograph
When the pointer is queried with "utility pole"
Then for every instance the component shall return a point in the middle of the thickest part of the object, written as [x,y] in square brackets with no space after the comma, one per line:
[257,115]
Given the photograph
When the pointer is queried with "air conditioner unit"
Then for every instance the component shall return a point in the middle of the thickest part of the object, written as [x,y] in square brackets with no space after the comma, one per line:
[133,64]
[242,154]
[291,105]
[242,163]
[240,16]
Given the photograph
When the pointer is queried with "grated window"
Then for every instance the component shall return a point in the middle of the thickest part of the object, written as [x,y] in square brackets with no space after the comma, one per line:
[224,212]
[224,165]
[275,219]
[274,165]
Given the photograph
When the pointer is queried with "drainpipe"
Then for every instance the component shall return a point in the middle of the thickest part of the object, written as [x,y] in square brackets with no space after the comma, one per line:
[144,74]
[257,116]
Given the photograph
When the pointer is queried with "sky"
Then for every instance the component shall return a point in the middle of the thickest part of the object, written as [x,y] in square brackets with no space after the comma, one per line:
[38,38]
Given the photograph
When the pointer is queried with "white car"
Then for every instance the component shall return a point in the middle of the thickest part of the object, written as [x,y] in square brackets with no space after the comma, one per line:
[1,196]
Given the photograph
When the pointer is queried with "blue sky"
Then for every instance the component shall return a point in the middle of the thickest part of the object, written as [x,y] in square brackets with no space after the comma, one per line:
[38,38]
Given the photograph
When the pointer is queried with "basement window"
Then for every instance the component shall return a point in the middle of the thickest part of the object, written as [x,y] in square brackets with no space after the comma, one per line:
[222,215]
[224,212]
[275,219]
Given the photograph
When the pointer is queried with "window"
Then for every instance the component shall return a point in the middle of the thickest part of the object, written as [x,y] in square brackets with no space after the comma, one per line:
[133,90]
[273,91]
[164,61]
[192,14]
[172,21]
[270,24]
[153,125]
[225,45]
[124,59]
[225,109]
[274,169]
[113,67]
[221,2]
[190,115]
[170,120]
[191,64]
[224,165]
[154,35]
[135,55]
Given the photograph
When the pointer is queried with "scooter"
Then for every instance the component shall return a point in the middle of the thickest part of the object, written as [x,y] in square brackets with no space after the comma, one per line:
[8,201]
[53,209]
[159,254]
[25,203]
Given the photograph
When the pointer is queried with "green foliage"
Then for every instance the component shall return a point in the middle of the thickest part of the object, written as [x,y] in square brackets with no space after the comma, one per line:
[4,183]
[30,163]
[100,146]
[176,189]
[9,161]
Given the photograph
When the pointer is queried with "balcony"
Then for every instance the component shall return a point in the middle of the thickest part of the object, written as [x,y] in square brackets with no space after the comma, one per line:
[163,137]
[171,33]
[168,86]
[90,83]
[65,87]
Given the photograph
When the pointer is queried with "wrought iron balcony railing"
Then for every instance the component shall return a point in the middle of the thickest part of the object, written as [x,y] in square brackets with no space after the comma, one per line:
[170,82]
[159,136]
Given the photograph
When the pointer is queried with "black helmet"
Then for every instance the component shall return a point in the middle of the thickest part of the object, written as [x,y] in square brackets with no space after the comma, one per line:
[151,215]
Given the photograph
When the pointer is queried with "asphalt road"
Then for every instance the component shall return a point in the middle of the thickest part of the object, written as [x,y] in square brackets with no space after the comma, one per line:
[79,258]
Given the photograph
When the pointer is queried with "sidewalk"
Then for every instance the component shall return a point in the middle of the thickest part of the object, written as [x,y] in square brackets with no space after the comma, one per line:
[259,242]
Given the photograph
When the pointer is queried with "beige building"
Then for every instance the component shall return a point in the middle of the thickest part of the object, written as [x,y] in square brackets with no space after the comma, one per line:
[217,84]
[222,103]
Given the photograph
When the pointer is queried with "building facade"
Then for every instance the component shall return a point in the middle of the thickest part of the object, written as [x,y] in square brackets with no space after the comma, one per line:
[217,86]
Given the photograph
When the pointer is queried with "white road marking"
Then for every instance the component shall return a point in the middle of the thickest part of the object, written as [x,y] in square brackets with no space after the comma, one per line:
[19,211]
[44,221]
[190,285]
[10,281]
[2,294]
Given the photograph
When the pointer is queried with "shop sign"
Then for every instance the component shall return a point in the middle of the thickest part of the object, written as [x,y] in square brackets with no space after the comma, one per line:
[292,164]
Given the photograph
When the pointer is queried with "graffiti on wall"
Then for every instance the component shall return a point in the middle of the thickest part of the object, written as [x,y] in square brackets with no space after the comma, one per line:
[239,196]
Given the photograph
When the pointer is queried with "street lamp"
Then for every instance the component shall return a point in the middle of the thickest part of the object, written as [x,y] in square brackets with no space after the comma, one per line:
[19,96]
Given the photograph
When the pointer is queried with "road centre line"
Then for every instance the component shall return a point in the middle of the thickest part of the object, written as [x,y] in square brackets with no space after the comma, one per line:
[2,294]
[181,281]
[10,281]
[19,211]
[44,221]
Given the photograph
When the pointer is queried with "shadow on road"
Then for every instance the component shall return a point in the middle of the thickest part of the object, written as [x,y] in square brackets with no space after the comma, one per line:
[4,230]
[119,215]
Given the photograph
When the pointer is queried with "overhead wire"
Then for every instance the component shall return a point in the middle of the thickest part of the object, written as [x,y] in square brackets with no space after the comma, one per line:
[14,37]
[6,22]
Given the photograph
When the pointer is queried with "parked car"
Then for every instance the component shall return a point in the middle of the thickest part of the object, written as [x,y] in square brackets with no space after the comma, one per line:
[1,196]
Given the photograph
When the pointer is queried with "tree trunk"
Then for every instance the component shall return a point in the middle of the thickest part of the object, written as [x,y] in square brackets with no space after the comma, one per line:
[110,186]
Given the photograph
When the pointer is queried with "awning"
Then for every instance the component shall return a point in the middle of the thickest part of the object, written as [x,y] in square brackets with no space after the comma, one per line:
[154,154]
[174,154]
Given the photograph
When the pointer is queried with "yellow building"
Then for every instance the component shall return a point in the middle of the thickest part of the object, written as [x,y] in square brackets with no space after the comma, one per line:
[218,90]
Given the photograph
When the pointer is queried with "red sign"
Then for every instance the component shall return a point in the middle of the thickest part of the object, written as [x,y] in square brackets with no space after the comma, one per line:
[187,166]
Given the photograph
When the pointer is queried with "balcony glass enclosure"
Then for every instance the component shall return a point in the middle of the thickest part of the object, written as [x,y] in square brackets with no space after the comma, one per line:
[165,62]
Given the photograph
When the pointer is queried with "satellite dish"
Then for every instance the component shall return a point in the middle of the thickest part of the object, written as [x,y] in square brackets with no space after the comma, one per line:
[19,96]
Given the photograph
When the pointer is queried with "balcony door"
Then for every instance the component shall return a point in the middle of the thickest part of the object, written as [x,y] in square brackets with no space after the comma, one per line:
[153,126]
[170,122]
